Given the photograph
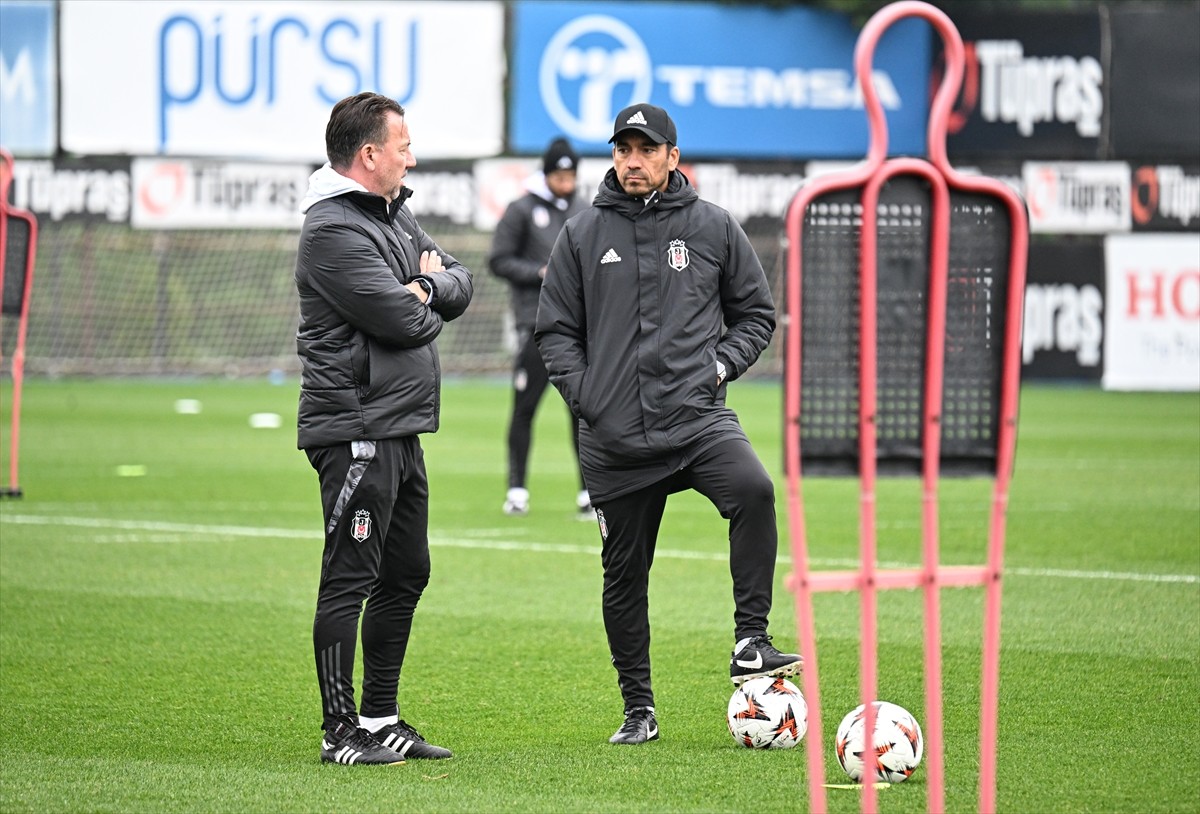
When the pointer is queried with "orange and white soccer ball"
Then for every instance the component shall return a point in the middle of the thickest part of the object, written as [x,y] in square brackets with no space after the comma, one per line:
[767,713]
[896,748]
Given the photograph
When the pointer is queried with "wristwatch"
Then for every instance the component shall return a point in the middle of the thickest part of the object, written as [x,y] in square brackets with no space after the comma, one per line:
[720,372]
[428,286]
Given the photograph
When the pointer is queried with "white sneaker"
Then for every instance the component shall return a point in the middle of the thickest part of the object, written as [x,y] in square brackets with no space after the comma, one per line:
[583,505]
[516,501]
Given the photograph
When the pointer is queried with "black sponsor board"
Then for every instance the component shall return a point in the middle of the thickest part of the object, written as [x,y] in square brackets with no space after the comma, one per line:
[73,189]
[1063,335]
[1165,197]
[1155,86]
[1034,85]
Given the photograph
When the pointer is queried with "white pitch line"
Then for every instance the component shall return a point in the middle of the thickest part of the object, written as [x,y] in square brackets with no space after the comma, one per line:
[523,546]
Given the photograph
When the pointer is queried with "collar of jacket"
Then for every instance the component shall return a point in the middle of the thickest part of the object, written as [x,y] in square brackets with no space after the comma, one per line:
[377,206]
[394,206]
[679,193]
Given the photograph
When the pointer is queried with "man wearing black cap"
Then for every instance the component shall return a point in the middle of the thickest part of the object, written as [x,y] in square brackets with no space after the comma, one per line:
[630,326]
[520,246]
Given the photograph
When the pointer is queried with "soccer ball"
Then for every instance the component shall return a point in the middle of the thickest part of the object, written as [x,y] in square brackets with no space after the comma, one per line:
[898,743]
[767,713]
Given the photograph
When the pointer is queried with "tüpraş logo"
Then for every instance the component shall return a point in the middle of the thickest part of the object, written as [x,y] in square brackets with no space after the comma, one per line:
[1012,88]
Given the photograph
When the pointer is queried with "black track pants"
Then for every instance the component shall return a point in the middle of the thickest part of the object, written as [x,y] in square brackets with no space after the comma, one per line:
[375,496]
[732,477]
[529,384]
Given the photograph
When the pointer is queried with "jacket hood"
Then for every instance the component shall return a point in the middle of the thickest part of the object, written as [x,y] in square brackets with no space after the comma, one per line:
[536,185]
[328,183]
[680,192]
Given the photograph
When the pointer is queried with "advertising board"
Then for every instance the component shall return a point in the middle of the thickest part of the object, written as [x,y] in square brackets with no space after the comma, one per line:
[257,79]
[1152,321]
[1034,84]
[28,78]
[739,81]
[1077,197]
[182,193]
[73,189]
[1063,331]
[1155,94]
[1166,198]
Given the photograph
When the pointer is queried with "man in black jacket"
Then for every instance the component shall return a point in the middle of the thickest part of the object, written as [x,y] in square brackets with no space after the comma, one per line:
[520,247]
[630,326]
[375,291]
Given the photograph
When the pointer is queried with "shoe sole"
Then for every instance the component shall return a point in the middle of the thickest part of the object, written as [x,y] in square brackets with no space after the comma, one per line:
[336,762]
[785,671]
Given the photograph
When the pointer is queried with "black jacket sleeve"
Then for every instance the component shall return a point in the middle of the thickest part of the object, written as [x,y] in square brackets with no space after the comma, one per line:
[509,255]
[561,329]
[746,304]
[346,269]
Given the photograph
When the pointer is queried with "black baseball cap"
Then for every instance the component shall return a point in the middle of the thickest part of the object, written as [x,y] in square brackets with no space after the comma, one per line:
[649,119]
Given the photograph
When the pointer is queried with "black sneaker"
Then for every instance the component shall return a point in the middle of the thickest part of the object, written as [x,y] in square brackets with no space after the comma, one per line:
[640,726]
[757,657]
[408,742]
[347,744]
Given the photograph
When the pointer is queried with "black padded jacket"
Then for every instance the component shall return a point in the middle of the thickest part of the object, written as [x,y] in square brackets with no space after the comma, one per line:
[641,300]
[369,363]
[521,245]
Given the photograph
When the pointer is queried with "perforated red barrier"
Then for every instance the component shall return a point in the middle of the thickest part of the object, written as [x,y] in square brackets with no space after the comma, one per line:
[905,281]
[18,247]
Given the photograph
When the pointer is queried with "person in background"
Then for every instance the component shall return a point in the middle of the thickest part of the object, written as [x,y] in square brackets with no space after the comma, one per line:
[654,300]
[520,247]
[375,291]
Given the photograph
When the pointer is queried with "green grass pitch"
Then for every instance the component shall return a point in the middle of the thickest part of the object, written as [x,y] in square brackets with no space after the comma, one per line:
[155,625]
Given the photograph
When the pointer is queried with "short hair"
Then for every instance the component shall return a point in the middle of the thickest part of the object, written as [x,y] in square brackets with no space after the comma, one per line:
[355,121]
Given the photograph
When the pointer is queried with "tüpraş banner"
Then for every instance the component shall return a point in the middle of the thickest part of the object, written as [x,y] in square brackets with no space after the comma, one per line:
[214,194]
[258,78]
[1033,85]
[1062,334]
[73,189]
[1080,197]
[739,82]
[1166,198]
[28,82]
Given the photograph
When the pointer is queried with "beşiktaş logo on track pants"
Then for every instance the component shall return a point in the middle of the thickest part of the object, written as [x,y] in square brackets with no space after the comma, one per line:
[360,529]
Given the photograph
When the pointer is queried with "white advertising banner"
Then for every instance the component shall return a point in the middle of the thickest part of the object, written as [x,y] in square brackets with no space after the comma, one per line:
[1152,315]
[214,194]
[257,78]
[1083,197]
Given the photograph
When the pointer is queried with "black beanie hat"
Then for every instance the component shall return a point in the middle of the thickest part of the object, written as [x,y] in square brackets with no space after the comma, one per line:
[559,156]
